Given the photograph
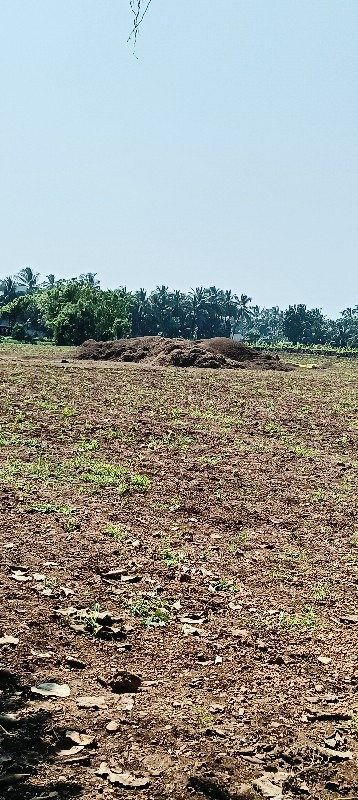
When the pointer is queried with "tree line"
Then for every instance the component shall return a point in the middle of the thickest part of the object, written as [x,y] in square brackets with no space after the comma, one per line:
[70,311]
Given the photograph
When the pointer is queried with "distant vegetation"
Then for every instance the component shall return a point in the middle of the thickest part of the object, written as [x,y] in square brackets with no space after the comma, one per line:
[68,312]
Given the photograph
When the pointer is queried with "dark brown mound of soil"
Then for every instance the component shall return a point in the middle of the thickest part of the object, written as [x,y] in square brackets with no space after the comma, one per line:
[218,353]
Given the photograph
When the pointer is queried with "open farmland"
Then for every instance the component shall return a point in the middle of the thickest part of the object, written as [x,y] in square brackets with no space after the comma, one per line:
[195,528]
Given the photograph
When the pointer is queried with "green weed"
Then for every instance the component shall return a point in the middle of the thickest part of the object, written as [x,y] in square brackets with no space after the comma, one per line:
[224,585]
[140,482]
[319,495]
[301,450]
[150,609]
[115,532]
[304,621]
[238,541]
[47,508]
[321,591]
[84,446]
[89,618]
[168,556]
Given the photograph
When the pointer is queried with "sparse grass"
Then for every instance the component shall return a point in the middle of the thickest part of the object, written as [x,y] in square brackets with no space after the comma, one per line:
[305,620]
[89,618]
[319,495]
[352,725]
[168,556]
[150,609]
[304,452]
[239,541]
[203,716]
[49,508]
[84,446]
[103,473]
[208,431]
[115,532]
[140,482]
[224,585]
[321,591]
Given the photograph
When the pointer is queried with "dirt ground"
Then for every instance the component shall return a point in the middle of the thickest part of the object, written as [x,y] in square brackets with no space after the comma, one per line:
[180,548]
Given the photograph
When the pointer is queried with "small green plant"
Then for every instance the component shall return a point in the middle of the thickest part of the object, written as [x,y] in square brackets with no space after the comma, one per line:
[47,508]
[150,609]
[45,405]
[89,618]
[140,482]
[273,427]
[115,532]
[304,621]
[168,556]
[319,495]
[354,540]
[282,574]
[68,412]
[352,725]
[204,718]
[238,541]
[321,591]
[300,450]
[224,585]
[84,446]
[102,473]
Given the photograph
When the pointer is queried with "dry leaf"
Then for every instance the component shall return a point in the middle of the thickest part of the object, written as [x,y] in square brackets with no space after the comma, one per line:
[112,726]
[36,654]
[83,739]
[51,689]
[91,701]
[73,751]
[75,662]
[190,630]
[125,779]
[266,788]
[19,575]
[8,640]
[64,590]
[324,660]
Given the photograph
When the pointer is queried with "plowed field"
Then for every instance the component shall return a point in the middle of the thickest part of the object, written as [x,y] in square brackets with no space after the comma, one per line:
[180,548]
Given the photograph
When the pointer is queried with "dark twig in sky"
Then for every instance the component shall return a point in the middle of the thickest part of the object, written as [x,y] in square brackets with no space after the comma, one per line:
[136,6]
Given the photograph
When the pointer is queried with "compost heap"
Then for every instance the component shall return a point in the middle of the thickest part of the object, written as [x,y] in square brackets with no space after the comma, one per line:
[218,353]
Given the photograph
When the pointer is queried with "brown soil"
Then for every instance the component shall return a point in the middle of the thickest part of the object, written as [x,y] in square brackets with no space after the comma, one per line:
[222,505]
[217,353]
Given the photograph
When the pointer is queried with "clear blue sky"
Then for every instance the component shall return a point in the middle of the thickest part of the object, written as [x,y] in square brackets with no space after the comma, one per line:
[226,153]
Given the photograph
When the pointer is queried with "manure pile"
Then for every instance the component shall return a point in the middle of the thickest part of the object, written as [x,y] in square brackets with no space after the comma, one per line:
[218,353]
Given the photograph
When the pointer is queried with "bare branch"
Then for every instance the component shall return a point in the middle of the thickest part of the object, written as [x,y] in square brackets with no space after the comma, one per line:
[138,16]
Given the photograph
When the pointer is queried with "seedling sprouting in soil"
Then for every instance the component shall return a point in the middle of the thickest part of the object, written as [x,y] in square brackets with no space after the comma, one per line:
[48,508]
[89,618]
[302,621]
[224,585]
[321,591]
[140,482]
[169,557]
[150,609]
[84,446]
[115,532]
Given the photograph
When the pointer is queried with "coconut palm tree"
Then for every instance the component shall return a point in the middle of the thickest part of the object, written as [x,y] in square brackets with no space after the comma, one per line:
[49,283]
[28,279]
[90,279]
[244,312]
[8,290]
